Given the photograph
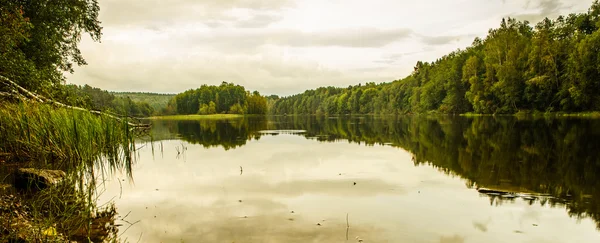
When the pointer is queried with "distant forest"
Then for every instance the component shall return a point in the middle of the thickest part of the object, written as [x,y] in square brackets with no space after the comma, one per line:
[97,99]
[157,101]
[552,67]
[210,99]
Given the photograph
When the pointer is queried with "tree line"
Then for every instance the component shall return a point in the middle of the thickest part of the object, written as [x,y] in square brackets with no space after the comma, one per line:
[211,99]
[551,67]
[92,98]
[157,101]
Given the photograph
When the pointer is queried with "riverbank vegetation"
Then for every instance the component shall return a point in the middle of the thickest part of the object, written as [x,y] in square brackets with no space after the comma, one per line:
[63,138]
[156,101]
[548,67]
[101,100]
[54,128]
[83,144]
[198,117]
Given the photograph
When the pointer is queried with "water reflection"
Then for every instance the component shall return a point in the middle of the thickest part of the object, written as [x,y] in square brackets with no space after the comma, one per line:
[228,134]
[552,162]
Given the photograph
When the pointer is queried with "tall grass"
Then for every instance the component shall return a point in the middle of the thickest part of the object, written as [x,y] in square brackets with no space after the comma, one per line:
[61,138]
[84,145]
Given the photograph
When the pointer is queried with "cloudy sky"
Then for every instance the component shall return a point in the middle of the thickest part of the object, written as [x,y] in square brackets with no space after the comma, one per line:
[285,46]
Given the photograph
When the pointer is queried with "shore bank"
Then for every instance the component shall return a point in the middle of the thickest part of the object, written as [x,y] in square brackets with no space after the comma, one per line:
[197,117]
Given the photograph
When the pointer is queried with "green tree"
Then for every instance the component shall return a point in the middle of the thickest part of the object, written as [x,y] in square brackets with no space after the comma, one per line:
[41,39]
[256,104]
[236,109]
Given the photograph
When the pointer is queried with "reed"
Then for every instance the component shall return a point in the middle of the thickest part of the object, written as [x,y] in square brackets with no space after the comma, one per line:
[86,146]
[66,139]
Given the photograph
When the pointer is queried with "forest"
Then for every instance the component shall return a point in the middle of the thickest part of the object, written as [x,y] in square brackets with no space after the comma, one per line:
[549,67]
[101,100]
[226,98]
[156,101]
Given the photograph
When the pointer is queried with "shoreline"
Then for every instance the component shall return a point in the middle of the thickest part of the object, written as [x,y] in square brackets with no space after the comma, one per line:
[197,117]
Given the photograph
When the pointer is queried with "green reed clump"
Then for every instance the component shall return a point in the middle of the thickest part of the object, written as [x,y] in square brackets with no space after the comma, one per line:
[83,144]
[62,138]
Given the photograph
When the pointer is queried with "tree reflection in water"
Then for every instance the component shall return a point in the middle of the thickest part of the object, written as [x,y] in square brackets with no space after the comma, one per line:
[552,162]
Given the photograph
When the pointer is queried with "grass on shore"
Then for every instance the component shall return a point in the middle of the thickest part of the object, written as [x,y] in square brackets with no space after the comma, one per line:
[197,117]
[80,143]
[62,138]
[524,113]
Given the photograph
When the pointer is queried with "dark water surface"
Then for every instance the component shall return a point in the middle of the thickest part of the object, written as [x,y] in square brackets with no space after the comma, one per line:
[407,179]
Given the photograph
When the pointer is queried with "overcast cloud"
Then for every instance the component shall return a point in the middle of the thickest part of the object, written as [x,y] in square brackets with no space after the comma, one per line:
[285,46]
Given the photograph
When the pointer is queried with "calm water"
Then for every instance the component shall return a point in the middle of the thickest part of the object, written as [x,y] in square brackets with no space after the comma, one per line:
[309,179]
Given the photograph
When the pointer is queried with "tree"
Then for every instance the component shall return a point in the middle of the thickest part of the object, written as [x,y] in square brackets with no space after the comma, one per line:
[506,51]
[236,109]
[41,39]
[476,94]
[256,104]
[543,64]
[552,67]
[208,109]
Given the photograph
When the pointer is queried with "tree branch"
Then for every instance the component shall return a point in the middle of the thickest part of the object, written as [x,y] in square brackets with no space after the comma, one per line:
[16,91]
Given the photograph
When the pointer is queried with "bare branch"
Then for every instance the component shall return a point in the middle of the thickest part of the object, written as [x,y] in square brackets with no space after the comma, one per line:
[17,91]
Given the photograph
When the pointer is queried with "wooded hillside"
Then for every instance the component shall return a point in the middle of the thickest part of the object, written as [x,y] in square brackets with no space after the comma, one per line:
[552,66]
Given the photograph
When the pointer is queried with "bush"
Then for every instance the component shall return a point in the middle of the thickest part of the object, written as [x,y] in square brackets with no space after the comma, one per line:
[236,109]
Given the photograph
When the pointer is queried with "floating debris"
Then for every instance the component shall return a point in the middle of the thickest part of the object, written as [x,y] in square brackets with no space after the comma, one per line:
[490,191]
[277,132]
[529,198]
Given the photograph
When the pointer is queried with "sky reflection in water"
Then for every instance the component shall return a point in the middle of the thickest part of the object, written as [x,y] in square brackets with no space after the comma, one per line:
[294,189]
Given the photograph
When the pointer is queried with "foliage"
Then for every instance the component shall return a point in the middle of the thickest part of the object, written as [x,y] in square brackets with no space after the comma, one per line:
[208,109]
[39,39]
[61,138]
[101,100]
[210,99]
[551,67]
[156,101]
[78,142]
[236,109]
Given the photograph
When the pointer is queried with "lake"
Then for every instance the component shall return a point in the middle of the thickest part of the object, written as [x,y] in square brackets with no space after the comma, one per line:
[363,179]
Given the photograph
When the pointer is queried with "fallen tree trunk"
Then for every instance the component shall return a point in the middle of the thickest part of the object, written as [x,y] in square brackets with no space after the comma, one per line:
[16,91]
